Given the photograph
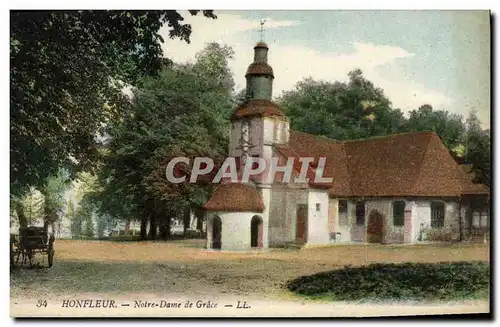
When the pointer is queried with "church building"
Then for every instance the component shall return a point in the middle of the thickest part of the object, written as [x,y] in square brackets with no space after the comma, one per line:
[403,188]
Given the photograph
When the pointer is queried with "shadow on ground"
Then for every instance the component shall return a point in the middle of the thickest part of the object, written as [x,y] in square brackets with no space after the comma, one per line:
[242,277]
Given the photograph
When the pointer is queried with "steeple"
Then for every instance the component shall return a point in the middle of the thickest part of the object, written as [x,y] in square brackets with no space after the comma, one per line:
[259,75]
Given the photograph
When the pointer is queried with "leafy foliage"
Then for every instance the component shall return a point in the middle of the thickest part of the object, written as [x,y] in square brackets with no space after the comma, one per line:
[478,150]
[352,110]
[359,109]
[65,66]
[181,113]
[449,127]
[406,281]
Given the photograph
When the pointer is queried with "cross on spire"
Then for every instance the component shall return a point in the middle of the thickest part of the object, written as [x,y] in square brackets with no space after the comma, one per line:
[262,22]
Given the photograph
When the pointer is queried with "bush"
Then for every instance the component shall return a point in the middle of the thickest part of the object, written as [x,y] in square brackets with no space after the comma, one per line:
[406,281]
[440,235]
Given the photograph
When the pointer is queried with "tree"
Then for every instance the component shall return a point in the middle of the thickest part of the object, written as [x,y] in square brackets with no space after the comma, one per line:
[54,198]
[449,127]
[29,208]
[352,110]
[76,223]
[478,149]
[184,111]
[65,66]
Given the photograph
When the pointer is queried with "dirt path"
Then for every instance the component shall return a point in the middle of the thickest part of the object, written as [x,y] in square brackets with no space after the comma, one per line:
[181,270]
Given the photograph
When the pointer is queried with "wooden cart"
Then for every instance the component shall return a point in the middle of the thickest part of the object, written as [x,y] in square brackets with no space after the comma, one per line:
[31,241]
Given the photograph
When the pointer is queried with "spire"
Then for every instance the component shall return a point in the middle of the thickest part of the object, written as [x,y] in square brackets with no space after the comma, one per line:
[262,22]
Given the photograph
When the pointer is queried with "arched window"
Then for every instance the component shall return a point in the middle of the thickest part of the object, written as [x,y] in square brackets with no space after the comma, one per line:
[437,214]
[398,213]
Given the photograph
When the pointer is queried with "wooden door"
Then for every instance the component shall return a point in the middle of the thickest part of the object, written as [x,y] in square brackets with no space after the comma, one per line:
[301,228]
[375,227]
[256,231]
[216,233]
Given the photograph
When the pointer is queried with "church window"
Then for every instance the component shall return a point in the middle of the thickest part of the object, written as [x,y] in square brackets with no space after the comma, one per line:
[437,214]
[476,217]
[343,217]
[360,213]
[480,219]
[484,219]
[398,213]
[318,207]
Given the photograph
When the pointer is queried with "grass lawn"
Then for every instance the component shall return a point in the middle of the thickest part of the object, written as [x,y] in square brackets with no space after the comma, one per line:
[184,267]
[407,281]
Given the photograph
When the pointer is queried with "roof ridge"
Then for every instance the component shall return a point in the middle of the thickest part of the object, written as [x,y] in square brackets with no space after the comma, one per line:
[388,136]
[326,138]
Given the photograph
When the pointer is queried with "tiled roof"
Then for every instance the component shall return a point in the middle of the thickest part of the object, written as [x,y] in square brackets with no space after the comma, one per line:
[401,165]
[259,68]
[411,164]
[257,107]
[235,197]
[261,45]
[467,179]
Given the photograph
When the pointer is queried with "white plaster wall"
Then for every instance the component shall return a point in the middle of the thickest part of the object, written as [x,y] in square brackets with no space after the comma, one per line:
[317,227]
[235,233]
[266,198]
[414,221]
[256,135]
[451,217]
[208,218]
[294,198]
[267,154]
[234,136]
[286,131]
[277,216]
[422,215]
[268,130]
[344,230]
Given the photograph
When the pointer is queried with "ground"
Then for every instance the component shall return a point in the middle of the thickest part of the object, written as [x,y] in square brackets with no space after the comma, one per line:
[183,269]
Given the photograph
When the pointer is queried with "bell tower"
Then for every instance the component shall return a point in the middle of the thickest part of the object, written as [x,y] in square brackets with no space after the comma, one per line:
[258,123]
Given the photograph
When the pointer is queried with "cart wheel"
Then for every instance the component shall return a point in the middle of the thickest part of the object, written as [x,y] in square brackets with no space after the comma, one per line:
[51,258]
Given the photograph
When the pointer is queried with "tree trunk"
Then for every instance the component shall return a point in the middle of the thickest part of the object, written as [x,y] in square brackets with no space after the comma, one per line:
[199,220]
[186,219]
[152,226]
[162,225]
[23,222]
[144,226]
[168,226]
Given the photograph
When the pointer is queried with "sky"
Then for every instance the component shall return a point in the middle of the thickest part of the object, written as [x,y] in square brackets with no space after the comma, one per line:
[440,58]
